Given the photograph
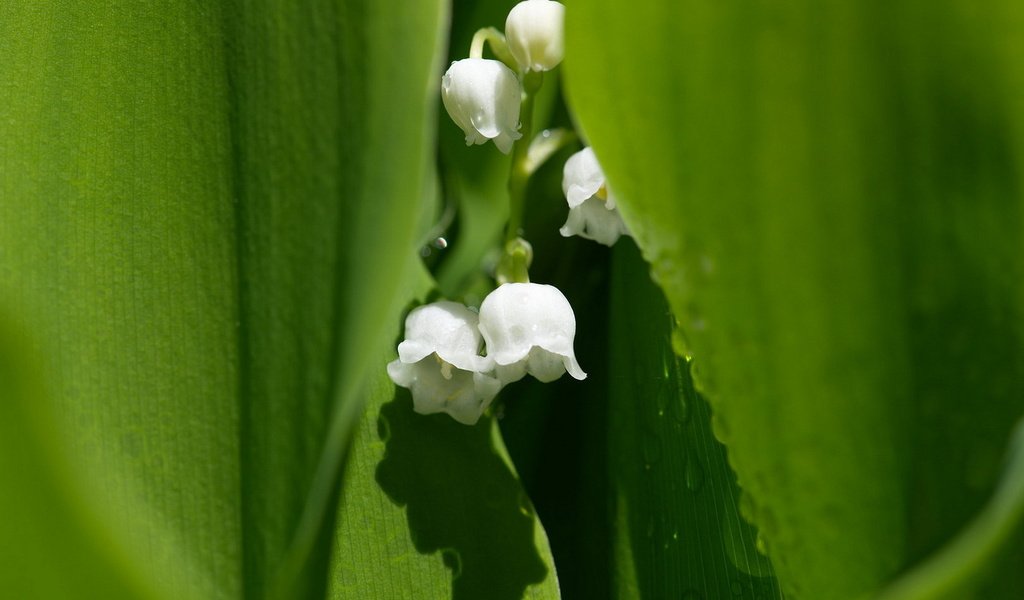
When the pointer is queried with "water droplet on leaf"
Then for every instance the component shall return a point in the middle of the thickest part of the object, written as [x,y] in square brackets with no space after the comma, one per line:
[525,506]
[650,444]
[694,475]
[679,344]
[760,545]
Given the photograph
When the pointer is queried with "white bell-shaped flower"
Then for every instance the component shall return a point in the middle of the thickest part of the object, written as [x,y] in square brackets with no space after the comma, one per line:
[482,96]
[592,211]
[439,362]
[529,328]
[534,31]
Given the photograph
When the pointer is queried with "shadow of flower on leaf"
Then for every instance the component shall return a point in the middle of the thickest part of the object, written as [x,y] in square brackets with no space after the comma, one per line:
[462,499]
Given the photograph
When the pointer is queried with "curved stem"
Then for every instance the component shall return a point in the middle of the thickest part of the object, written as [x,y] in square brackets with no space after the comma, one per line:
[519,174]
[496,39]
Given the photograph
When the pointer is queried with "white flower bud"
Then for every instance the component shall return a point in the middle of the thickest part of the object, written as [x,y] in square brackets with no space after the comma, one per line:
[482,96]
[529,328]
[592,212]
[439,362]
[534,32]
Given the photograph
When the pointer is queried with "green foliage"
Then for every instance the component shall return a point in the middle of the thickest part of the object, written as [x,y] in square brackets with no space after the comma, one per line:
[830,196]
[44,522]
[210,223]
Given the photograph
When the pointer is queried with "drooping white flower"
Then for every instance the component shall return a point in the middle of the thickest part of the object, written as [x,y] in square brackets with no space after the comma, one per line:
[529,328]
[534,31]
[439,362]
[593,220]
[592,211]
[482,96]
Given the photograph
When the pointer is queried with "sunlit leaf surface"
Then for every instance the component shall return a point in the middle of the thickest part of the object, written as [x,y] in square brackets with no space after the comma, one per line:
[830,196]
[38,481]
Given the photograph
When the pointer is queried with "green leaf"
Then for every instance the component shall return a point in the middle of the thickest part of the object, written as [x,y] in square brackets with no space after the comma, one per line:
[830,196]
[117,254]
[51,545]
[951,572]
[206,214]
[677,529]
[337,191]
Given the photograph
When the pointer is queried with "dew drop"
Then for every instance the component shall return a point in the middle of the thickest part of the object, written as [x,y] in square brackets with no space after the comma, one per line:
[694,475]
[680,410]
[525,506]
[701,381]
[650,445]
[425,251]
[440,243]
[679,344]
[662,399]
[741,548]
[748,509]
[707,266]
[760,545]
[720,427]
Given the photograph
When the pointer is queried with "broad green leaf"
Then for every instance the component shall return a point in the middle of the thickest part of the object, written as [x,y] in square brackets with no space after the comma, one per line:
[50,544]
[677,529]
[117,254]
[830,196]
[336,186]
[204,212]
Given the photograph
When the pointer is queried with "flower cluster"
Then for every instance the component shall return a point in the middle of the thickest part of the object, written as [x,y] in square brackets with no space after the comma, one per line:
[483,96]
[524,328]
[453,359]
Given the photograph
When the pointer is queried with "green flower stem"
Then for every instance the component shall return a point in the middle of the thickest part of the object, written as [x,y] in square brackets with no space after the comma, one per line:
[519,175]
[515,262]
[499,46]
